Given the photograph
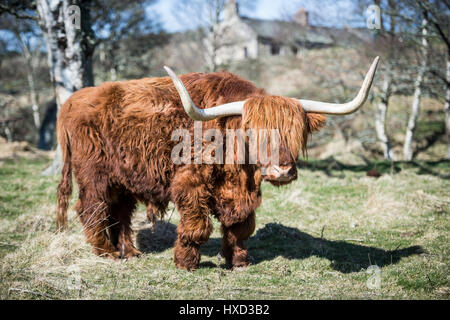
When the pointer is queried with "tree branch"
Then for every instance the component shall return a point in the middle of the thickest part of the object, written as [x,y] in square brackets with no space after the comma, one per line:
[5,9]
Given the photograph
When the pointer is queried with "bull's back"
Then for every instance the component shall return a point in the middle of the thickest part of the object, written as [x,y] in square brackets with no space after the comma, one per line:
[123,131]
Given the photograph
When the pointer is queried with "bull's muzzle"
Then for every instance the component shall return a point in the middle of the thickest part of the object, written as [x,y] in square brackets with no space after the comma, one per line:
[280,174]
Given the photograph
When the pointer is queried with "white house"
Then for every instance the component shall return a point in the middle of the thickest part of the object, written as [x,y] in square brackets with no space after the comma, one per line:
[239,38]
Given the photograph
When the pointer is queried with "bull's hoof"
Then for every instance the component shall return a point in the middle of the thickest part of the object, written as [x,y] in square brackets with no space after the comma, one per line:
[131,253]
[240,265]
[187,264]
[186,257]
[240,261]
[115,255]
[186,267]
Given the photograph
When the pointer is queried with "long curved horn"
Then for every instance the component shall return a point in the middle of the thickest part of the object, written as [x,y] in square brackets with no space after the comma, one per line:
[229,109]
[344,108]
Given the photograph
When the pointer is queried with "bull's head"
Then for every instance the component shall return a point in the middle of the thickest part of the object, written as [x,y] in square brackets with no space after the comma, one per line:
[294,119]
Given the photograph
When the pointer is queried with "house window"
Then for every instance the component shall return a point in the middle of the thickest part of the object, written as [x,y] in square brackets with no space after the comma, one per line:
[245,52]
[274,49]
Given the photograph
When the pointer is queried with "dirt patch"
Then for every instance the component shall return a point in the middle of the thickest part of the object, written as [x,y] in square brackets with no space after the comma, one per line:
[350,152]
[21,149]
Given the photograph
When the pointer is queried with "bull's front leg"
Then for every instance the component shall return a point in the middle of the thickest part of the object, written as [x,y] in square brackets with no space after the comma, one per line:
[192,201]
[193,231]
[233,241]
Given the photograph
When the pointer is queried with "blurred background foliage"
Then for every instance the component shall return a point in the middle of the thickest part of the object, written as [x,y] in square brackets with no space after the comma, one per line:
[304,49]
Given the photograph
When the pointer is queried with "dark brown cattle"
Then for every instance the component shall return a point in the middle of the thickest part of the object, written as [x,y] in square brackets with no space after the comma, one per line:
[116,138]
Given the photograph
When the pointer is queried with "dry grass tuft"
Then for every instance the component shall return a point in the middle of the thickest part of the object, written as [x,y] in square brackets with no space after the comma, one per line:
[315,239]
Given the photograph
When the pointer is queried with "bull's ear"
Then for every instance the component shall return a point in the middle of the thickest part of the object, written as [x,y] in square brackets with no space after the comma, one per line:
[315,121]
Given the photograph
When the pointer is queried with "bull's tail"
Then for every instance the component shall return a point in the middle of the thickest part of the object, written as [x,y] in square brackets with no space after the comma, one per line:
[65,185]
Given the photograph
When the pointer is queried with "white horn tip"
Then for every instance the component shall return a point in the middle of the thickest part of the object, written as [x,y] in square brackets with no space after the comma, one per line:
[377,58]
[169,71]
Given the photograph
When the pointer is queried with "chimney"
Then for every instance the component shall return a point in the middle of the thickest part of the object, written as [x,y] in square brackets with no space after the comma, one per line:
[301,17]
[231,10]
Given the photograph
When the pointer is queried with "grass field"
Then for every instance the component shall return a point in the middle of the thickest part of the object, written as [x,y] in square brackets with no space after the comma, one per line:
[315,239]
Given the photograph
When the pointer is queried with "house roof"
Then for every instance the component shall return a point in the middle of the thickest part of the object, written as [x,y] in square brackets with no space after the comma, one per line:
[292,32]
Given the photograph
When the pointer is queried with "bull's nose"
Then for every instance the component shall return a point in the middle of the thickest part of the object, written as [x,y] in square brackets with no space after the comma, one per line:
[281,173]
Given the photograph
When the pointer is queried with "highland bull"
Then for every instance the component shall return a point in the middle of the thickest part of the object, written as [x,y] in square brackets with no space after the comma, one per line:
[116,138]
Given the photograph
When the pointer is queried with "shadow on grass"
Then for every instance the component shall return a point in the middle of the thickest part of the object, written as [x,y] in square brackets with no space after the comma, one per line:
[158,239]
[278,240]
[330,165]
[275,240]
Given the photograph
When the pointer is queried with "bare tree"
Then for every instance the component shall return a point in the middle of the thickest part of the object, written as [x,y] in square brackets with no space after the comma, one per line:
[25,33]
[385,40]
[381,104]
[31,56]
[214,33]
[413,28]
[116,23]
[447,106]
[438,17]
[5,101]
[396,42]
[205,16]
[69,50]
[415,108]
[32,61]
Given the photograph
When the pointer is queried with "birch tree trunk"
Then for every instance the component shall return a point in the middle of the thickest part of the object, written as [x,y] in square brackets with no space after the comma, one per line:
[8,133]
[31,66]
[31,78]
[380,120]
[415,108]
[69,51]
[212,46]
[447,107]
[34,98]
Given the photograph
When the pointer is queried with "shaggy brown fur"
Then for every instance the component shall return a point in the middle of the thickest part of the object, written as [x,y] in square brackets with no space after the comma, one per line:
[116,138]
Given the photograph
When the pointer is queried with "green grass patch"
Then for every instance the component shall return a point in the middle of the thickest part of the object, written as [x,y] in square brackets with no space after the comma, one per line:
[314,239]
